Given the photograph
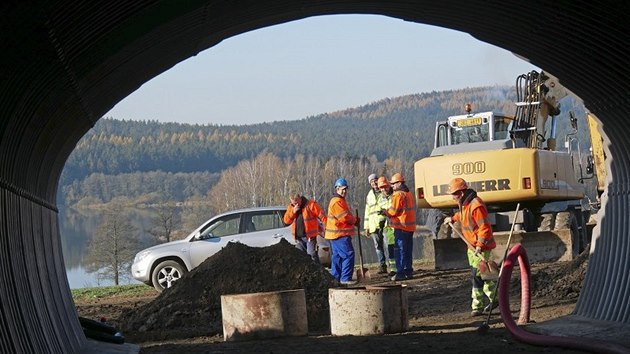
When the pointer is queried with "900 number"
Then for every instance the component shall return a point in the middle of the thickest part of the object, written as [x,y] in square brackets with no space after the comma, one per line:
[468,168]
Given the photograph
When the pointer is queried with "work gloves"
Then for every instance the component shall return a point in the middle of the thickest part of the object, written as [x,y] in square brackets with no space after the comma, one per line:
[448,220]
[478,251]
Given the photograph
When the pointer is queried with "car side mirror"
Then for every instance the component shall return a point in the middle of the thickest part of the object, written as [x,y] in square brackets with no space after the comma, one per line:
[204,236]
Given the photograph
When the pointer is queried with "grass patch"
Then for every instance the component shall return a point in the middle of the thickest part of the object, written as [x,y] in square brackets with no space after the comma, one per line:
[133,290]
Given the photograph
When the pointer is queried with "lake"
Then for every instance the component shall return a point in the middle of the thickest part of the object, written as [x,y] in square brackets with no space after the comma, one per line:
[76,229]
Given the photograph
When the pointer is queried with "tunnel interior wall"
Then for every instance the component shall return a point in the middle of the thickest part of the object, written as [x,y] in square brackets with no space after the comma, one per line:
[66,63]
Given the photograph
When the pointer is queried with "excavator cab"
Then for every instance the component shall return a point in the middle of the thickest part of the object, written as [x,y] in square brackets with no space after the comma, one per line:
[474,132]
[474,128]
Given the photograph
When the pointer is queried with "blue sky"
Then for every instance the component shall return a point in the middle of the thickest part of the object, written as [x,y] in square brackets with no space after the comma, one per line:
[317,65]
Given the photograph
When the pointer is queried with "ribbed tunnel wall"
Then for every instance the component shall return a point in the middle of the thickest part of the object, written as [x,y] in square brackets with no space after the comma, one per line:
[65,63]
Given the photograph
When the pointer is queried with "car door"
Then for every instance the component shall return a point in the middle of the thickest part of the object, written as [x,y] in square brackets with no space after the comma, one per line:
[264,228]
[214,236]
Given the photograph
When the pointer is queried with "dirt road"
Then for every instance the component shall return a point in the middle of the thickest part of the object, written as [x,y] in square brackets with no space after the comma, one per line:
[439,314]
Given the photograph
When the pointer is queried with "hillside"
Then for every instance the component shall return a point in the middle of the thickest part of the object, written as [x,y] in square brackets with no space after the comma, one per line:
[132,152]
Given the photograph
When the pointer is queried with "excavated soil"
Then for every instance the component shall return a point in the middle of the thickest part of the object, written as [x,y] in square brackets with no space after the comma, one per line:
[193,307]
[187,317]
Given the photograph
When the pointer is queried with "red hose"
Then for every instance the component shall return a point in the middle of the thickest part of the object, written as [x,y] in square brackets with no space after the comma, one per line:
[520,334]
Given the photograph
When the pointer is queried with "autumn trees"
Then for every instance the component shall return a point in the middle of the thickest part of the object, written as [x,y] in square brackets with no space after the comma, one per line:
[268,180]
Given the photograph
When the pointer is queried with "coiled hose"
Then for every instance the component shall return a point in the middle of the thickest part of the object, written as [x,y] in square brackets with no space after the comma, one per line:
[587,344]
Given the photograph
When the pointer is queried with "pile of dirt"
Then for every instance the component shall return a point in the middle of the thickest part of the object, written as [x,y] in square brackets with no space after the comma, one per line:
[563,282]
[192,307]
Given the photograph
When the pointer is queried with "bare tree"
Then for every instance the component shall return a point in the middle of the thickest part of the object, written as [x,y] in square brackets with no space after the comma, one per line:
[313,176]
[394,165]
[363,167]
[251,183]
[267,180]
[274,173]
[227,194]
[165,222]
[249,174]
[286,179]
[112,247]
[194,214]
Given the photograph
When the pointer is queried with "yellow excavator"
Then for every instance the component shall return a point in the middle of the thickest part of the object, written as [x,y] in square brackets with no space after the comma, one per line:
[509,160]
[596,160]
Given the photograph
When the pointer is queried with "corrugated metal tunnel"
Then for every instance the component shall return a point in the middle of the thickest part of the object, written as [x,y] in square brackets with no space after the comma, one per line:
[65,63]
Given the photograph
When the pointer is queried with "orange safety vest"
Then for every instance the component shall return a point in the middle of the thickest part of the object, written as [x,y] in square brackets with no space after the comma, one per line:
[475,225]
[340,220]
[311,212]
[402,212]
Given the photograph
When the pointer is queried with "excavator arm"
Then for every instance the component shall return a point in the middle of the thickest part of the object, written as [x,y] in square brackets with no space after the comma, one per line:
[538,96]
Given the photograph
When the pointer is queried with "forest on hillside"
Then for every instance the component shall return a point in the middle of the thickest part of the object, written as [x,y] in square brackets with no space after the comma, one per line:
[149,161]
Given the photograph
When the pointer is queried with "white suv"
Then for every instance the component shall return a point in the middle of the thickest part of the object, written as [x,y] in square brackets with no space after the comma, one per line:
[163,264]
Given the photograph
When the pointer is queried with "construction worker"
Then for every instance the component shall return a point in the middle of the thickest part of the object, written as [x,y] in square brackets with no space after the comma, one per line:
[384,202]
[402,218]
[473,216]
[304,216]
[373,222]
[340,225]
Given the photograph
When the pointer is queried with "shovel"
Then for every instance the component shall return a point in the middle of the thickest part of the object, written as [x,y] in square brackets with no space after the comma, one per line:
[362,273]
[488,270]
[483,329]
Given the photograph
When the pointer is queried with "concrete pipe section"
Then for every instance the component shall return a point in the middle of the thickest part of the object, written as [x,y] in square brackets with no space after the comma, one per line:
[368,310]
[264,315]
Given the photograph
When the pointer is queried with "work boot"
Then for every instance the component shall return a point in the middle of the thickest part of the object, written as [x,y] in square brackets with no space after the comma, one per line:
[348,282]
[383,270]
[392,273]
[494,305]
[476,313]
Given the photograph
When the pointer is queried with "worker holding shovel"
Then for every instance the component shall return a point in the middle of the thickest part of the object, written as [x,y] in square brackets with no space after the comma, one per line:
[340,224]
[374,222]
[385,202]
[401,216]
[477,231]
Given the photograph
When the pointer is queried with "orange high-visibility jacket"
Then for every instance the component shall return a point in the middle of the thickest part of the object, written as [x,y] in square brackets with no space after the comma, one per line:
[340,220]
[311,212]
[476,228]
[402,212]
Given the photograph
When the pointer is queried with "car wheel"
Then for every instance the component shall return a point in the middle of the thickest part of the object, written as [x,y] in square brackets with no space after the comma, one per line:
[166,273]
